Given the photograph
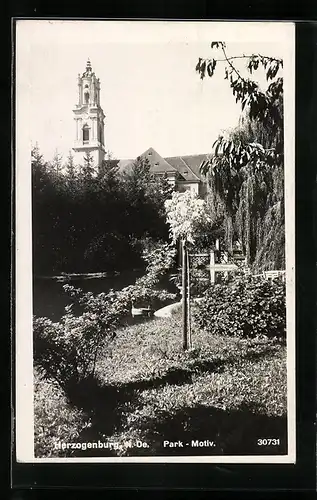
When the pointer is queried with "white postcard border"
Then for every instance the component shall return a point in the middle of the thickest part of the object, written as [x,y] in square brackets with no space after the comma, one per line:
[24,421]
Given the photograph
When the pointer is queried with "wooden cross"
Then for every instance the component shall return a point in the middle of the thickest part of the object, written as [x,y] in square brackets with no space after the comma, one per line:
[213,267]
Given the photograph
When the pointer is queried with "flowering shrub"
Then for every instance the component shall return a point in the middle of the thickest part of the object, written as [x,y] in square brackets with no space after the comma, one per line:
[160,258]
[247,307]
[187,216]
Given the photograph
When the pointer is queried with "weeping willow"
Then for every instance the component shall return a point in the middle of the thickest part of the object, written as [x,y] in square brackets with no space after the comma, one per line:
[250,200]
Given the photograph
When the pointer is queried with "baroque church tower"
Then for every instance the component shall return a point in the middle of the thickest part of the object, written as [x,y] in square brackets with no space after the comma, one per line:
[89,119]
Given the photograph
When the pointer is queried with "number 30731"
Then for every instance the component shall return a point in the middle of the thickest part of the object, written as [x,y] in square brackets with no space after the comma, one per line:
[268,442]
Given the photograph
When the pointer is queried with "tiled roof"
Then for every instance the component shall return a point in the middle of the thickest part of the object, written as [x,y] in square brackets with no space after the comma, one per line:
[182,168]
[188,166]
[157,162]
[192,162]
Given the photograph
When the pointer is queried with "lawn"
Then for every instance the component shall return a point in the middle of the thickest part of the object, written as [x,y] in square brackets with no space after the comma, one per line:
[230,391]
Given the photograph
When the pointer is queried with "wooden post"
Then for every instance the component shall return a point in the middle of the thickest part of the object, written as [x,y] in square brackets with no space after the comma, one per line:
[212,267]
[180,253]
[189,330]
[184,295]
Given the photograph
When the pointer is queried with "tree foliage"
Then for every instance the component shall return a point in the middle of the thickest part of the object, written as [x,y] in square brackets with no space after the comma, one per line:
[246,168]
[87,219]
[264,105]
[187,216]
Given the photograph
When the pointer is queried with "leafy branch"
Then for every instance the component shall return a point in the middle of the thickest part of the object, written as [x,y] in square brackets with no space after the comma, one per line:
[266,106]
[245,171]
[240,154]
[270,64]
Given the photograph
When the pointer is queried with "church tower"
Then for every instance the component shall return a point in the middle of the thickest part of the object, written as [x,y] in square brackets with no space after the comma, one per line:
[89,119]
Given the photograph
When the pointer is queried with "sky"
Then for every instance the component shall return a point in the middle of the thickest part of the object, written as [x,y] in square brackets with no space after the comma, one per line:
[150,92]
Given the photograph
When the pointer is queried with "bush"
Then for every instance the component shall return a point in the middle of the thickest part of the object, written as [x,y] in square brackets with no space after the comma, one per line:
[159,258]
[67,351]
[246,307]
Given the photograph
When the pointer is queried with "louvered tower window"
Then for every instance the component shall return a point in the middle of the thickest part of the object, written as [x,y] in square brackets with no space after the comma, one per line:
[85,133]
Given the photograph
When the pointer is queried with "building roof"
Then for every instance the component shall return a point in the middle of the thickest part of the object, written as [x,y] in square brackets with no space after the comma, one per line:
[187,166]
[183,167]
[157,162]
[194,162]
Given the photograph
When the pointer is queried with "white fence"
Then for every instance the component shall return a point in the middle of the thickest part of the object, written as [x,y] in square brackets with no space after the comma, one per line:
[270,275]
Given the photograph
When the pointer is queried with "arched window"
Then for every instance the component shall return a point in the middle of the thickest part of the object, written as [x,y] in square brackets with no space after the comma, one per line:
[87,97]
[85,133]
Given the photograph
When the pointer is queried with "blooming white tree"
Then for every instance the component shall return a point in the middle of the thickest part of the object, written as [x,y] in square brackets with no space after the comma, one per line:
[187,216]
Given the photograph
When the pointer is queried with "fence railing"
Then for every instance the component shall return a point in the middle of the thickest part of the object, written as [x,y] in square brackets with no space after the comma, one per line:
[269,275]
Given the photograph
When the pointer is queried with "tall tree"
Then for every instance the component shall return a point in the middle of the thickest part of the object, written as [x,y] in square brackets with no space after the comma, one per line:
[108,173]
[39,170]
[55,166]
[246,171]
[70,168]
[87,170]
[44,202]
[146,194]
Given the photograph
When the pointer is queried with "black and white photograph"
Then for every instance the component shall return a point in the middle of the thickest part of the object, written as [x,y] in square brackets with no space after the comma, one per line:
[155,254]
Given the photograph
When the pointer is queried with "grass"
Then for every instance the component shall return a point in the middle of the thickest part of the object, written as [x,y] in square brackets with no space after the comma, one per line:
[226,389]
[55,420]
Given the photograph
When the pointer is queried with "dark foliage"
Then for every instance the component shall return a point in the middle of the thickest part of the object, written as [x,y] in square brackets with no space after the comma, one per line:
[247,307]
[83,222]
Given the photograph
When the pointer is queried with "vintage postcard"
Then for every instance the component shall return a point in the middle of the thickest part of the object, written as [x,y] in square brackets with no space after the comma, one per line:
[155,254]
